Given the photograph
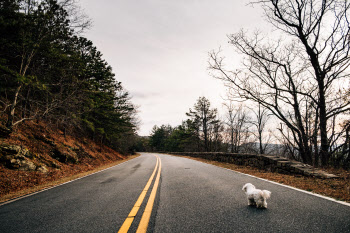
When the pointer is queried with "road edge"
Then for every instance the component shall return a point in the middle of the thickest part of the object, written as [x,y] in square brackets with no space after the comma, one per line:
[45,189]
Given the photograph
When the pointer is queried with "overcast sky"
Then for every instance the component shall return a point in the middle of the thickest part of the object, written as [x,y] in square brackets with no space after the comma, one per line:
[159,50]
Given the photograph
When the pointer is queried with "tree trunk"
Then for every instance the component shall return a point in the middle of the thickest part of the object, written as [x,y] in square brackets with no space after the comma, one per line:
[231,140]
[205,131]
[320,77]
[261,150]
[323,127]
[11,113]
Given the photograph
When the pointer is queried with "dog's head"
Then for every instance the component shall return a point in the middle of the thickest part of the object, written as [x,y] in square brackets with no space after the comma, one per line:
[246,186]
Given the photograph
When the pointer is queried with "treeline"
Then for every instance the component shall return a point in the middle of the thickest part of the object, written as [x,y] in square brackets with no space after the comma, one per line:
[49,72]
[241,128]
[205,131]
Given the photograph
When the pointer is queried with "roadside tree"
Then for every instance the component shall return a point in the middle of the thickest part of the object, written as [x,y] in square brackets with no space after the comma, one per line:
[293,77]
[204,117]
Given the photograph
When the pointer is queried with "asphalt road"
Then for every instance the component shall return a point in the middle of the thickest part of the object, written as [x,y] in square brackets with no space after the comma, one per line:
[191,197]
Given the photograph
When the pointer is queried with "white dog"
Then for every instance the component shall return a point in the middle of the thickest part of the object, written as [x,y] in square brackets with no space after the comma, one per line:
[256,196]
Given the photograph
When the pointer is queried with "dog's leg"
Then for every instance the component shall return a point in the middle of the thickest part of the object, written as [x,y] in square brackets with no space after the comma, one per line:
[251,201]
[261,204]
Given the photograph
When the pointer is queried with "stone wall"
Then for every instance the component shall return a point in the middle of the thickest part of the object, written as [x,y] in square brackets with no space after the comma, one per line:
[265,162]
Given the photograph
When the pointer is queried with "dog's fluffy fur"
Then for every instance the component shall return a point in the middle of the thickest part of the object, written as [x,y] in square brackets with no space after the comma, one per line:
[256,196]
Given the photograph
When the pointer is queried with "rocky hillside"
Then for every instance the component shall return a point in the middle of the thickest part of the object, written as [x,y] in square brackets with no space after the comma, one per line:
[35,154]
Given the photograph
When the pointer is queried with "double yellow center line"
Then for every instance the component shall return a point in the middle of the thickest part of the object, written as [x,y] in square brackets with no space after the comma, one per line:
[142,228]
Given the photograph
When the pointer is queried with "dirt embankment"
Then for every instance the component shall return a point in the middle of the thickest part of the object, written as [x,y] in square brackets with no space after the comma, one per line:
[36,155]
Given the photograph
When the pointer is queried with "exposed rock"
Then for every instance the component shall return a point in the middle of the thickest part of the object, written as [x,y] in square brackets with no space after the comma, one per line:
[42,169]
[10,149]
[16,157]
[65,155]
[22,165]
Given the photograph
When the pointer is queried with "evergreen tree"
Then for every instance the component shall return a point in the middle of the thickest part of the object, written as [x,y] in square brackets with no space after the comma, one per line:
[203,117]
[48,72]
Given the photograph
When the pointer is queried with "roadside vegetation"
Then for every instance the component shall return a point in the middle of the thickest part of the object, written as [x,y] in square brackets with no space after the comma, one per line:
[63,111]
[49,72]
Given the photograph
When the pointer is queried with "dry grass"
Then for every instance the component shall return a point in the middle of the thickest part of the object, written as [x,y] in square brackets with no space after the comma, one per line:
[30,182]
[336,188]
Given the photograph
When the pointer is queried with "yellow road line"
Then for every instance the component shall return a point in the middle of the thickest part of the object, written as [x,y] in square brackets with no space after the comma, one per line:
[148,210]
[128,221]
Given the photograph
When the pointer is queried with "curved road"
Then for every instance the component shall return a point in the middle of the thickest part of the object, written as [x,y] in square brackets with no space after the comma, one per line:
[189,197]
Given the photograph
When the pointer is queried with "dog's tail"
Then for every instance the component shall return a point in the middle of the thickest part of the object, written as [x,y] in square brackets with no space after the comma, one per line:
[266,194]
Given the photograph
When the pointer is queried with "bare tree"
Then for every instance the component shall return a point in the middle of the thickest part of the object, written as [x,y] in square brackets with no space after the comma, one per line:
[269,77]
[79,21]
[230,123]
[238,126]
[305,71]
[261,116]
[323,29]
[215,136]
